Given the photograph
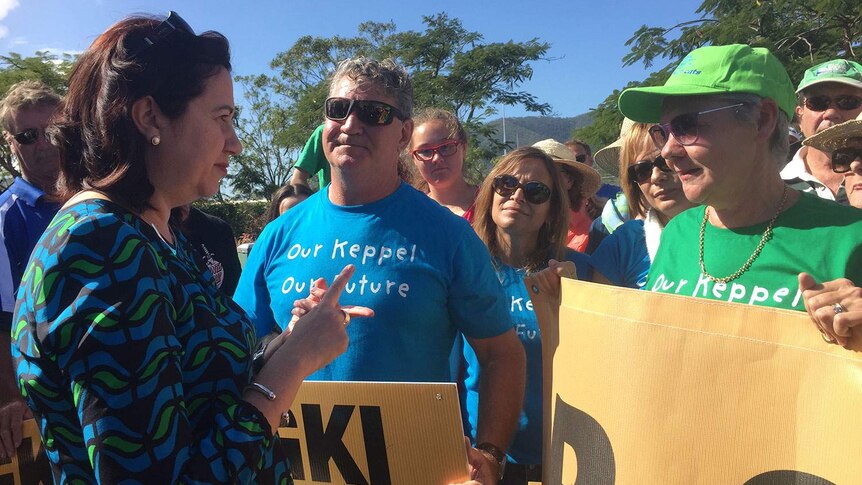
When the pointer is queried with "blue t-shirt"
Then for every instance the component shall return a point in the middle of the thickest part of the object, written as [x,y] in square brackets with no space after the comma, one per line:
[526,448]
[421,269]
[24,215]
[623,257]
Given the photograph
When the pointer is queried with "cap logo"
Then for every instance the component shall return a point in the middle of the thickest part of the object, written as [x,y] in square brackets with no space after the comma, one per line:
[832,68]
[687,66]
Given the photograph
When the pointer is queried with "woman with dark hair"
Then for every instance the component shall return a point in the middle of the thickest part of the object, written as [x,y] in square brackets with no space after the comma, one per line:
[284,198]
[137,368]
[521,215]
[438,148]
[654,194]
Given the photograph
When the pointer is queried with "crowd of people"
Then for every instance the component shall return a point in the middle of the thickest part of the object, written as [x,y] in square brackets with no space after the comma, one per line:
[145,353]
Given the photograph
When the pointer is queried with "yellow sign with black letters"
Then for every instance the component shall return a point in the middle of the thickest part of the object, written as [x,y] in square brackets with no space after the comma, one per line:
[651,388]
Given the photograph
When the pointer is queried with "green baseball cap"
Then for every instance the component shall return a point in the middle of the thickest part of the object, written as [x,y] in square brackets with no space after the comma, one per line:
[834,71]
[720,69]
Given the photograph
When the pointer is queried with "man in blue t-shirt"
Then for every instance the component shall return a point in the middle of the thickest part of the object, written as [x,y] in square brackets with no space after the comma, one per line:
[25,111]
[421,269]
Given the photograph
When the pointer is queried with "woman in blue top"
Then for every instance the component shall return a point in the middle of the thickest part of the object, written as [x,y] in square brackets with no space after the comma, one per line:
[521,215]
[655,196]
[137,368]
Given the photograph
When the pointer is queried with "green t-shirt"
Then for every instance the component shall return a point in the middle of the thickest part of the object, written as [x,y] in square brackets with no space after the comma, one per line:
[312,159]
[816,236]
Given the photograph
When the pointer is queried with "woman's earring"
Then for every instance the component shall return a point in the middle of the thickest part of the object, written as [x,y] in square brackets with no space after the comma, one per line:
[155,140]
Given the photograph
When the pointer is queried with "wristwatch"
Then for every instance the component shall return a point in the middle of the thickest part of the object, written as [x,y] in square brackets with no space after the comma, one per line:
[495,455]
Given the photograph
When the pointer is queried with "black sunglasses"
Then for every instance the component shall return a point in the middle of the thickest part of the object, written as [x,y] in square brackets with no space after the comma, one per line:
[28,136]
[534,192]
[174,23]
[641,171]
[842,158]
[375,113]
[822,103]
[684,127]
[581,158]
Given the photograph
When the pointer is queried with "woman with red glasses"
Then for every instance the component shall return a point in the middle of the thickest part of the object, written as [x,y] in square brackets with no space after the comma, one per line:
[521,215]
[438,148]
[655,196]
[844,142]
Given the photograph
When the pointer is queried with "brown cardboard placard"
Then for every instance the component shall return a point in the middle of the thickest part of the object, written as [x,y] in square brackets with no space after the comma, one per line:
[656,388]
[376,433]
[29,466]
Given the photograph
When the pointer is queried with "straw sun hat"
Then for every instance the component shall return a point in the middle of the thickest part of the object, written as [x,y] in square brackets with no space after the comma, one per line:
[562,155]
[608,158]
[835,136]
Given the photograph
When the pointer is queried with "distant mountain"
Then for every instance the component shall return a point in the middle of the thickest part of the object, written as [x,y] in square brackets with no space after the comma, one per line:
[526,130]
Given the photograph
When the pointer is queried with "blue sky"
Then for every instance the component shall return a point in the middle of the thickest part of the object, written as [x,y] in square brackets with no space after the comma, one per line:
[587,37]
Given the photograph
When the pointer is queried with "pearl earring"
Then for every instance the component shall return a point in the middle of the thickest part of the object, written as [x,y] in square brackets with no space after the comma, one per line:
[155,140]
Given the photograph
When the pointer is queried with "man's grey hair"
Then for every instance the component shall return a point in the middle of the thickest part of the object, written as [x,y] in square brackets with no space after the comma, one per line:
[385,75]
[25,94]
[779,144]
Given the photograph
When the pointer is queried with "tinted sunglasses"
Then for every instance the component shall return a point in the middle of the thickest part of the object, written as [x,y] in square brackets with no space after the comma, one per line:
[822,103]
[445,149]
[174,23]
[684,127]
[843,157]
[376,113]
[534,192]
[581,158]
[28,136]
[641,171]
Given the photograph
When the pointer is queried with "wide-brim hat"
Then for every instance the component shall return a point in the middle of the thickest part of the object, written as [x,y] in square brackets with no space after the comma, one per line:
[840,71]
[835,136]
[711,70]
[608,158]
[561,154]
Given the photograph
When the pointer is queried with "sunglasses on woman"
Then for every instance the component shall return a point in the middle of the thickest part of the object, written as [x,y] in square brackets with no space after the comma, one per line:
[445,149]
[173,23]
[375,113]
[842,158]
[28,136]
[534,192]
[684,127]
[641,171]
[822,103]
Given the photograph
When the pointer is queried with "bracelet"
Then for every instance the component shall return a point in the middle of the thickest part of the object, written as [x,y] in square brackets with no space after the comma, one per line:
[258,387]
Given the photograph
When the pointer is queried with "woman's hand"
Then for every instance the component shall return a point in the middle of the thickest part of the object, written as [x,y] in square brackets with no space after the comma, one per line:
[548,280]
[835,307]
[303,306]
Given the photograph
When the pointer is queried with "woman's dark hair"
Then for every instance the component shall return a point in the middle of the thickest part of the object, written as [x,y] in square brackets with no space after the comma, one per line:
[272,212]
[576,193]
[100,146]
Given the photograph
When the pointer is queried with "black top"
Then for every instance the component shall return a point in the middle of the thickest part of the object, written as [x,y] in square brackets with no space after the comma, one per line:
[213,240]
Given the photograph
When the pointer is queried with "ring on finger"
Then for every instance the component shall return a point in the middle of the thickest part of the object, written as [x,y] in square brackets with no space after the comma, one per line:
[346,321]
[838,308]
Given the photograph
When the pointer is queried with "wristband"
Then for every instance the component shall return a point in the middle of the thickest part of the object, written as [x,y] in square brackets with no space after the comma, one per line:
[258,387]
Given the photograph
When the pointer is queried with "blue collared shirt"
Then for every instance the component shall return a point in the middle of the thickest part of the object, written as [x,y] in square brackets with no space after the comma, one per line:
[24,215]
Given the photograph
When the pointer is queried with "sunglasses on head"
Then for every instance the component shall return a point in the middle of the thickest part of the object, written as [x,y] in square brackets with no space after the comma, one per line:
[822,103]
[375,113]
[534,192]
[28,136]
[174,23]
[684,127]
[641,171]
[842,158]
[445,149]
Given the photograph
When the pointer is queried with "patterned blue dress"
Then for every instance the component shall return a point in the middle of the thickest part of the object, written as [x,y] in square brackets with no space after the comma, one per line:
[132,360]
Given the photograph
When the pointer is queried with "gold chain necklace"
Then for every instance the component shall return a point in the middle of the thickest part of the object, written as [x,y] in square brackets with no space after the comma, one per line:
[767,235]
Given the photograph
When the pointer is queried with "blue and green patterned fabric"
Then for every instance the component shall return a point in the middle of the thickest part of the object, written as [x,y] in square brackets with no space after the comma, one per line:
[133,361]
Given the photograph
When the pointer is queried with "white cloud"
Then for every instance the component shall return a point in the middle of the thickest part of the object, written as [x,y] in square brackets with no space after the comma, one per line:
[6,6]
[4,31]
[20,41]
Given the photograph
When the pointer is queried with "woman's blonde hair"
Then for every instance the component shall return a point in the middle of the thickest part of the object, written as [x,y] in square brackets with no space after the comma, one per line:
[634,143]
[552,236]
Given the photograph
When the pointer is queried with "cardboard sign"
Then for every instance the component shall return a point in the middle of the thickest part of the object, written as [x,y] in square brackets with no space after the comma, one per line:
[360,433]
[376,434]
[29,466]
[655,388]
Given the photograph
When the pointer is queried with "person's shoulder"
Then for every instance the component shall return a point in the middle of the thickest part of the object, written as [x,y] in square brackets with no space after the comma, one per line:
[685,219]
[429,209]
[826,212]
[576,256]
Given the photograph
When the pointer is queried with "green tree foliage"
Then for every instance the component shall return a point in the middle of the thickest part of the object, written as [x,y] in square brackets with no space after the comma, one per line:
[451,67]
[801,33]
[49,68]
